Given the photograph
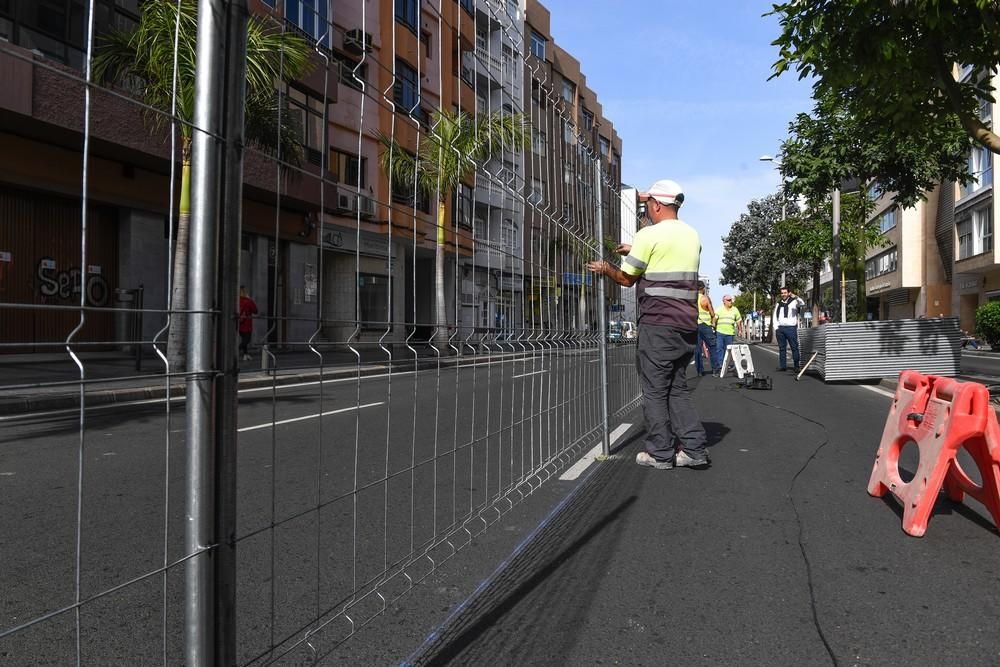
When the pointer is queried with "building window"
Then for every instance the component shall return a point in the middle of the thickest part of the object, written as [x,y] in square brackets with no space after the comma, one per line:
[538,45]
[373,300]
[57,28]
[480,229]
[975,232]
[508,235]
[538,141]
[981,167]
[348,169]
[469,6]
[463,207]
[605,146]
[588,120]
[535,196]
[538,94]
[881,264]
[568,91]
[351,71]
[404,195]
[889,219]
[308,112]
[506,61]
[310,17]
[980,163]
[406,93]
[569,133]
[408,13]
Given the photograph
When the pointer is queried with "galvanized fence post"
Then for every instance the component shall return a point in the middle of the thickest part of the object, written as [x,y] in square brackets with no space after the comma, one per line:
[602,325]
[202,273]
[227,385]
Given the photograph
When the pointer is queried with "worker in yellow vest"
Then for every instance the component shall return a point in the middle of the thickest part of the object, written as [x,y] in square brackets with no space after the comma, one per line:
[706,332]
[728,322]
[663,262]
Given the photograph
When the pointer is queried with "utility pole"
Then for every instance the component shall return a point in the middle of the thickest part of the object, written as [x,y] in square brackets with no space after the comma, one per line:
[837,291]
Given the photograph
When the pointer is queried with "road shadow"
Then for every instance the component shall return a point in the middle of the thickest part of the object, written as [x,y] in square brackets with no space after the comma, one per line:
[715,433]
[942,506]
[468,638]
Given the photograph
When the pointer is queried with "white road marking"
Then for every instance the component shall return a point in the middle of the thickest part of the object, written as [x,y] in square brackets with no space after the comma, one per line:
[878,390]
[7,474]
[577,468]
[318,414]
[524,375]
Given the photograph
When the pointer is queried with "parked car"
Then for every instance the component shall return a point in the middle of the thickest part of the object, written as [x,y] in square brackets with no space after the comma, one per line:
[620,331]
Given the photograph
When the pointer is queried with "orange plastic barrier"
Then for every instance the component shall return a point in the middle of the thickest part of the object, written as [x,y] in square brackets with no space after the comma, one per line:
[940,415]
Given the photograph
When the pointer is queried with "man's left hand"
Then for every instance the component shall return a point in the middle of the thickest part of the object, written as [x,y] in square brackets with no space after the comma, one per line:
[597,266]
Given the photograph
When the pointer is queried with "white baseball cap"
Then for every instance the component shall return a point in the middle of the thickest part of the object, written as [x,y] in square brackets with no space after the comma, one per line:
[664,191]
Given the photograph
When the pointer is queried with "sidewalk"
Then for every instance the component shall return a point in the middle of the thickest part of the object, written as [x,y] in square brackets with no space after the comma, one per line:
[774,556]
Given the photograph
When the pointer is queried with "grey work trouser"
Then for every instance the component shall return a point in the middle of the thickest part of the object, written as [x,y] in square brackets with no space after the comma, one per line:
[662,358]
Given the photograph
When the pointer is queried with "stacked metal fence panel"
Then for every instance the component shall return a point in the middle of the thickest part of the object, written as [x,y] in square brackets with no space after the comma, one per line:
[883,348]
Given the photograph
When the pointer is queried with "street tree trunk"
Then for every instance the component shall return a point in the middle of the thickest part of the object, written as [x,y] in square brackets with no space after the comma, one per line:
[440,317]
[177,336]
[817,298]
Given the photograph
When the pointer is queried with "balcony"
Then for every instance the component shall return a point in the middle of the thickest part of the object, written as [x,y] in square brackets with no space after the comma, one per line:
[496,255]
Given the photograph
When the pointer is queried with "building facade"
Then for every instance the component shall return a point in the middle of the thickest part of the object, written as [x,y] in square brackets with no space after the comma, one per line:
[572,177]
[331,250]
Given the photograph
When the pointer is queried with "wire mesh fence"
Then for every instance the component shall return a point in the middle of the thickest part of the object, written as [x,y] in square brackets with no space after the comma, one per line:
[293,306]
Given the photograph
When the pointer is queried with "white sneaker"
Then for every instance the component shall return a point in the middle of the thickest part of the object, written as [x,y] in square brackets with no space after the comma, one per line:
[644,459]
[685,460]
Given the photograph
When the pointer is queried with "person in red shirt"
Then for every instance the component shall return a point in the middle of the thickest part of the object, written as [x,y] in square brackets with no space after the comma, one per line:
[248,308]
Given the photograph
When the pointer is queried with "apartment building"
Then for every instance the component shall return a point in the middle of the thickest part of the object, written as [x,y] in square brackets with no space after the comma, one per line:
[939,257]
[334,244]
[630,213]
[571,177]
[906,276]
[492,278]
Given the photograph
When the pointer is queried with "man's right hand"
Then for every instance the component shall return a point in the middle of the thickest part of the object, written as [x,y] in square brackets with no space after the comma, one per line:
[623,248]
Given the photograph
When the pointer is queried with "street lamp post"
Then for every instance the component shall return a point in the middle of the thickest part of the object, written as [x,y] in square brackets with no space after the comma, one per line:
[777,165]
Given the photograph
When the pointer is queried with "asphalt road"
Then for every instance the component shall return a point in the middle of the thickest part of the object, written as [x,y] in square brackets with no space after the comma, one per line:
[983,366]
[329,497]
[774,556]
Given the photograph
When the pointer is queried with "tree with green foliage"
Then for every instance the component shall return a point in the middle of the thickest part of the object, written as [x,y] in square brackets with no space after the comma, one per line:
[888,107]
[810,236]
[756,251]
[890,62]
[143,61]
[988,323]
[455,146]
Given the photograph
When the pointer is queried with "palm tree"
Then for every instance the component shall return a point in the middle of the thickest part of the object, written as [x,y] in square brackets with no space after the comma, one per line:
[143,61]
[456,145]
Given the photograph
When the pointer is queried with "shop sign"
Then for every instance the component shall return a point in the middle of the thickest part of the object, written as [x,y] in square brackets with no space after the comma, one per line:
[508,284]
[345,241]
[879,286]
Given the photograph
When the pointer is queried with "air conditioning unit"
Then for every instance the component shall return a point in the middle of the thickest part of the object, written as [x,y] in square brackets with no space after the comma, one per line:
[357,41]
[366,206]
[347,201]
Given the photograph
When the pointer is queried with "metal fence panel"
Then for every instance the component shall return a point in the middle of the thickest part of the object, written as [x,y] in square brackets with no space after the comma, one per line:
[883,348]
[425,353]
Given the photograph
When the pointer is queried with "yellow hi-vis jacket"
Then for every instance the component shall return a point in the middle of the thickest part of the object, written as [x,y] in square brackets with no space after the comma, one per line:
[667,257]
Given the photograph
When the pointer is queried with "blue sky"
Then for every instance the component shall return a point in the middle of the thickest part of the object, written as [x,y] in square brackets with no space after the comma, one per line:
[685,84]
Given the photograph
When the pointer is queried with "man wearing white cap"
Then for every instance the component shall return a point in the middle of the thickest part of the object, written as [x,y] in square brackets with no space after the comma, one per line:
[664,259]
